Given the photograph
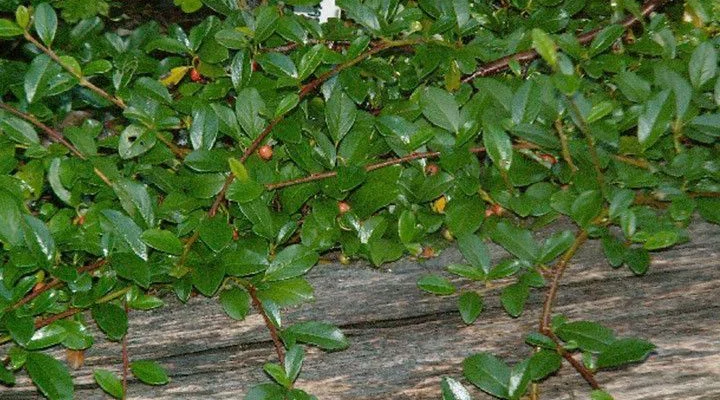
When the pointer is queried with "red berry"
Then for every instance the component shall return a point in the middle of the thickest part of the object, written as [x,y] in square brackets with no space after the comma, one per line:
[343,207]
[427,252]
[432,169]
[195,75]
[548,158]
[265,152]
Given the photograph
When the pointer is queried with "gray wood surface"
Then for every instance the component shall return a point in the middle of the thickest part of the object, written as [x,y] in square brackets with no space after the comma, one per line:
[403,341]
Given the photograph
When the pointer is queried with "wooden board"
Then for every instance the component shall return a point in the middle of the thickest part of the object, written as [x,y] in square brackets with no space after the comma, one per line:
[403,341]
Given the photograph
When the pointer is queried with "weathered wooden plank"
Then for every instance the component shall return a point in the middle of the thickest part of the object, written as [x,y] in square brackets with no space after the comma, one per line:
[404,341]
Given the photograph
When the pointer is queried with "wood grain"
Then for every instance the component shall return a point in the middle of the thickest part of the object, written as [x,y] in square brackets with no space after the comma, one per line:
[403,341]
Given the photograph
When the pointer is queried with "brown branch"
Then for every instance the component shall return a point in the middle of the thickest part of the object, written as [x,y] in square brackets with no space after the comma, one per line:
[380,164]
[279,348]
[503,63]
[305,90]
[545,318]
[55,282]
[83,81]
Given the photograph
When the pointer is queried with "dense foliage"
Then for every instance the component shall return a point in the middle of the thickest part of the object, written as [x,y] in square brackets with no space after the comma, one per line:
[226,157]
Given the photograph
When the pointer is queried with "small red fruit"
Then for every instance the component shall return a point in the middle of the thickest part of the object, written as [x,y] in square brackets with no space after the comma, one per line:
[195,75]
[432,169]
[265,152]
[549,158]
[343,207]
[427,252]
[495,209]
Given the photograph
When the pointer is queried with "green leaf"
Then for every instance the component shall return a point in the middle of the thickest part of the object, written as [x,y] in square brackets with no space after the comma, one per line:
[516,240]
[266,391]
[208,278]
[9,29]
[545,46]
[605,38]
[600,395]
[54,181]
[188,6]
[638,260]
[703,64]
[149,372]
[11,233]
[464,215]
[128,231]
[240,69]
[37,77]
[111,319]
[436,284]
[153,89]
[633,86]
[215,233]
[204,128]
[379,190]
[340,114]
[654,119]
[18,130]
[278,64]
[661,240]
[109,382]
[362,14]
[265,23]
[310,61]
[162,240]
[470,305]
[135,140]
[586,207]
[624,351]
[488,373]
[135,199]
[544,363]
[453,390]
[286,104]
[50,376]
[440,108]
[709,209]
[514,297]
[45,23]
[475,251]
[21,328]
[235,302]
[6,376]
[248,112]
[555,245]
[231,38]
[325,336]
[289,292]
[498,145]
[589,336]
[243,191]
[292,261]
[39,239]
[277,373]
[293,361]
[22,16]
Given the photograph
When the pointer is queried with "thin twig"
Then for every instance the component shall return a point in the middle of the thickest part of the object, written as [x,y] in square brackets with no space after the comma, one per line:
[564,145]
[503,63]
[82,80]
[279,348]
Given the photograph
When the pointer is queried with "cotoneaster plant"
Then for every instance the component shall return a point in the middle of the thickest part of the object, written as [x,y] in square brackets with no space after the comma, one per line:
[226,157]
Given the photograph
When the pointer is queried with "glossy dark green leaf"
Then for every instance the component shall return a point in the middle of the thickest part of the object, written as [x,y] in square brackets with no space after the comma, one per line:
[266,391]
[11,233]
[340,114]
[514,297]
[216,233]
[633,86]
[470,305]
[135,140]
[654,120]
[109,382]
[600,395]
[50,376]
[516,240]
[545,46]
[208,278]
[379,190]
[292,261]
[440,108]
[240,69]
[605,38]
[453,390]
[277,373]
[289,292]
[111,319]
[47,336]
[265,22]
[498,145]
[9,28]
[638,260]
[245,191]
[661,240]
[149,372]
[464,215]
[127,230]
[135,199]
[624,351]
[21,328]
[703,64]
[488,373]
[475,251]
[278,64]
[436,284]
[586,207]
[544,363]
[555,245]
[322,335]
[162,240]
[588,335]
[204,128]
[293,361]
[38,76]
[18,130]
[6,376]
[45,23]
[235,302]
[310,61]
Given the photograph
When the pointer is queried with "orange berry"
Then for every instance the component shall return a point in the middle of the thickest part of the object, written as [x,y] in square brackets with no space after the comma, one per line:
[427,252]
[432,169]
[265,152]
[343,207]
[195,75]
